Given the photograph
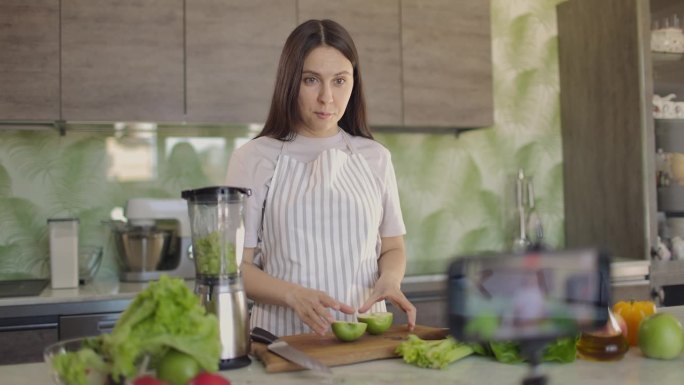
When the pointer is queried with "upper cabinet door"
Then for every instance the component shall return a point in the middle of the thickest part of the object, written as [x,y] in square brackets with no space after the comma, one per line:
[446,49]
[29,63]
[122,60]
[374,26]
[233,48]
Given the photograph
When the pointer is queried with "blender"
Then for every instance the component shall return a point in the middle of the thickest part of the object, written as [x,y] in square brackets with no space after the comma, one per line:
[217,238]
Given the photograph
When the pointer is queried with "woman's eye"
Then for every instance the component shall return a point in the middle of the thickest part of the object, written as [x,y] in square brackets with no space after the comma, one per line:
[309,80]
[340,81]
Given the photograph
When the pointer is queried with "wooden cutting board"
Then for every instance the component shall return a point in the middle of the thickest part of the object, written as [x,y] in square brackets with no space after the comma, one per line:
[333,352]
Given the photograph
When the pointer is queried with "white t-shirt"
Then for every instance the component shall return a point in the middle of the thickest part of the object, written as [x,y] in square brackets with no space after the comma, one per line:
[253,165]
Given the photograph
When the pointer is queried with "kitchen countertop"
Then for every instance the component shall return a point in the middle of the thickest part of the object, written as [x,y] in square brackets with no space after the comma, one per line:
[113,296]
[93,291]
[633,369]
[107,290]
[419,285]
[107,296]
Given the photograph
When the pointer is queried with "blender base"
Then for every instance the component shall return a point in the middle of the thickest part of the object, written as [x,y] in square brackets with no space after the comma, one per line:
[234,363]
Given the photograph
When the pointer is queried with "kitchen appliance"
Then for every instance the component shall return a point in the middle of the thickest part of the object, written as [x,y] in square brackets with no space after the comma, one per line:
[154,240]
[285,350]
[217,240]
[63,252]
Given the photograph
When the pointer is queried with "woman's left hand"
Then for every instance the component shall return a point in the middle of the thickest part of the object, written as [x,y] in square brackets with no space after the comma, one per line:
[386,289]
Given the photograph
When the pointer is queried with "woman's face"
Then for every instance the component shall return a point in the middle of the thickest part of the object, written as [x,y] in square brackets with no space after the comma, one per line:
[327,82]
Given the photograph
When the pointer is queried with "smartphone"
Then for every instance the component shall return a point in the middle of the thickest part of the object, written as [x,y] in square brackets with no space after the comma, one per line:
[538,295]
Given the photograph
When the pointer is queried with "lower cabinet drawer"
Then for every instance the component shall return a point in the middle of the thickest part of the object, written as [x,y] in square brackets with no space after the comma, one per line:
[86,325]
[21,346]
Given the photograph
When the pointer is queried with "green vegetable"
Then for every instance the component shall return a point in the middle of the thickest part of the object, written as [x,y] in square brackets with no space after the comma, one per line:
[562,350]
[166,315]
[484,326]
[73,366]
[209,255]
[177,368]
[435,354]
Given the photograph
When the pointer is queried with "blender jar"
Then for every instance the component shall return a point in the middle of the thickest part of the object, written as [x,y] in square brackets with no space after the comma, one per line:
[216,222]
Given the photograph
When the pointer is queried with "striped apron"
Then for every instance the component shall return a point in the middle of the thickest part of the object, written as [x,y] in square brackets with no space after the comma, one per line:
[320,230]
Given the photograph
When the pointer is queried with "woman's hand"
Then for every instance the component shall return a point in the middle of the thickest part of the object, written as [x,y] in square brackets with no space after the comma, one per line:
[392,265]
[388,289]
[311,306]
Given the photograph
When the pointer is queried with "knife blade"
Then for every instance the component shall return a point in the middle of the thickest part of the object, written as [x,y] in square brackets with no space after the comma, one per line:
[287,351]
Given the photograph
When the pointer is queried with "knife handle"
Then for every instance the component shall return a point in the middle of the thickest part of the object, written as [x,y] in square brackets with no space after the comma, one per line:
[260,335]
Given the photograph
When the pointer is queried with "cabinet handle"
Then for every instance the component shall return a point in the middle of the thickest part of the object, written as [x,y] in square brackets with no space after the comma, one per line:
[106,326]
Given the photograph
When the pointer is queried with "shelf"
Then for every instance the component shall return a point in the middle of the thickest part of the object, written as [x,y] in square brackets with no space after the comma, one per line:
[671,198]
[668,73]
[664,58]
[669,135]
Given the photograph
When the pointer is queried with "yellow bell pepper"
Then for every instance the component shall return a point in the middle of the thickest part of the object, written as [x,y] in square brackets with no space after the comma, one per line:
[633,312]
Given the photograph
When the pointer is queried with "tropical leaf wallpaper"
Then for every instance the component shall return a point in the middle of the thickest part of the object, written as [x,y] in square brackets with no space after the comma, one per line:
[456,192]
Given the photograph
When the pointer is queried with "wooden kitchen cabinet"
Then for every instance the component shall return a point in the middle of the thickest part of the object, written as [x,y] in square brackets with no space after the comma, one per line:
[123,60]
[608,76]
[29,64]
[426,63]
[447,65]
[375,28]
[233,48]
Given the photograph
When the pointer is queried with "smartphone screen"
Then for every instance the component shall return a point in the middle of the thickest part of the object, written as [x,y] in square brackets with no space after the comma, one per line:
[537,295]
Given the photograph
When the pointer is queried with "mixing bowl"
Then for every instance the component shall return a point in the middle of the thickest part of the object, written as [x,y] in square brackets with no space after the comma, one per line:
[141,249]
[89,260]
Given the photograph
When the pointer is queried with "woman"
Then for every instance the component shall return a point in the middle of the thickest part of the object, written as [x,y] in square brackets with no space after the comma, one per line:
[323,229]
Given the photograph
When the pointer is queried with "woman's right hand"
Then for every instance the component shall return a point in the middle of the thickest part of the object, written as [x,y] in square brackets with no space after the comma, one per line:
[311,306]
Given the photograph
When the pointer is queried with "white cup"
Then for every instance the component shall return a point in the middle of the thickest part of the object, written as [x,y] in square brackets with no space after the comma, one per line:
[679,110]
[668,110]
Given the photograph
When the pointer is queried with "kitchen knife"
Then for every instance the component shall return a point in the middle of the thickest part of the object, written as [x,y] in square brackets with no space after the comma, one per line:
[288,352]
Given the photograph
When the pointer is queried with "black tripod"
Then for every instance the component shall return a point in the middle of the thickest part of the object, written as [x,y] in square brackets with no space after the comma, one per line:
[533,350]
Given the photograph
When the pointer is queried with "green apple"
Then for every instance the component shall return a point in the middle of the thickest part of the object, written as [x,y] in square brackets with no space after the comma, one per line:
[348,331]
[661,336]
[377,322]
[177,368]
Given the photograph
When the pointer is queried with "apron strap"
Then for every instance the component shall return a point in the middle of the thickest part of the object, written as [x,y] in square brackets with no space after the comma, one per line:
[346,136]
[347,139]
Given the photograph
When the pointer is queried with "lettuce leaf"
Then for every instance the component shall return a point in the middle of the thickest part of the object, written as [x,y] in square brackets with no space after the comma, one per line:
[562,350]
[166,315]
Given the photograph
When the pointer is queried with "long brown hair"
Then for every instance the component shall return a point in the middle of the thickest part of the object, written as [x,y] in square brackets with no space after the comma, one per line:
[284,114]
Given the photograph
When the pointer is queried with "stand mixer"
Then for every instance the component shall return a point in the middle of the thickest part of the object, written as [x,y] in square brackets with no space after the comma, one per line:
[154,241]
[217,240]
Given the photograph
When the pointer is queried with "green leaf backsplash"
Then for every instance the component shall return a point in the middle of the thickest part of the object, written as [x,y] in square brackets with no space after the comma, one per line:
[5,183]
[23,237]
[79,175]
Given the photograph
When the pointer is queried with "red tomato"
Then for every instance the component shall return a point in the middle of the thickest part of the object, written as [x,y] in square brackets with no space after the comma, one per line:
[205,378]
